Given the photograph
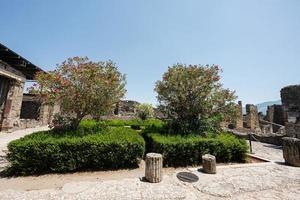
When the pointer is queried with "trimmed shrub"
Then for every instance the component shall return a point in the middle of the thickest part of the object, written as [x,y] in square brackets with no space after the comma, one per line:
[135,123]
[135,127]
[180,150]
[48,151]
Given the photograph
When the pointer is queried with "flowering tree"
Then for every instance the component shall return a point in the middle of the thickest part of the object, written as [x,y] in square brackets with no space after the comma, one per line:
[82,87]
[193,98]
[144,111]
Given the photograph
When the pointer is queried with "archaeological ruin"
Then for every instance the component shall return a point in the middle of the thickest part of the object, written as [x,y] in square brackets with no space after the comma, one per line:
[19,111]
[290,97]
[126,109]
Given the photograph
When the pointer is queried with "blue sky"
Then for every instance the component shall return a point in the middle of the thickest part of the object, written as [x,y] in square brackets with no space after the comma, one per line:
[256,42]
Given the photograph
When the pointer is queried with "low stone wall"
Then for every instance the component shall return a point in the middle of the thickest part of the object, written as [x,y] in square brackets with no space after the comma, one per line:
[29,123]
[269,139]
[291,151]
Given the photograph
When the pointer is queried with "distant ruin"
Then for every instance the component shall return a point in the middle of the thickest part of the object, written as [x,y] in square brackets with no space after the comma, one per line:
[290,96]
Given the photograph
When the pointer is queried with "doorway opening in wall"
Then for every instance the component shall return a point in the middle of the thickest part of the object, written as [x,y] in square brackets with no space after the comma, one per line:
[4,84]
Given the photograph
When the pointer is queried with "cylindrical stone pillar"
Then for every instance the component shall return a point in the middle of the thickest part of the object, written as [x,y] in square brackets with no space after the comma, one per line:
[153,169]
[291,151]
[209,164]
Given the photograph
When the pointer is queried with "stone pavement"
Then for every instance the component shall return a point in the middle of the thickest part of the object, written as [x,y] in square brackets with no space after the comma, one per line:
[271,180]
[249,181]
[268,151]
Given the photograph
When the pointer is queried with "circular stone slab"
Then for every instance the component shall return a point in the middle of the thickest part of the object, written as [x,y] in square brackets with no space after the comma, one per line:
[187,177]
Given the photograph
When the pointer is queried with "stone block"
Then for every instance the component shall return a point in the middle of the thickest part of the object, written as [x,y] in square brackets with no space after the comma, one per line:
[209,164]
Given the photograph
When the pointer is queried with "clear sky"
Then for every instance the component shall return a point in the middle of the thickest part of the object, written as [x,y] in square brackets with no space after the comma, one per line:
[256,42]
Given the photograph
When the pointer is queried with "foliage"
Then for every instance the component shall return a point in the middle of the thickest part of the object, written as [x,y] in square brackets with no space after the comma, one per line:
[191,95]
[134,122]
[181,150]
[61,122]
[82,87]
[47,151]
[144,111]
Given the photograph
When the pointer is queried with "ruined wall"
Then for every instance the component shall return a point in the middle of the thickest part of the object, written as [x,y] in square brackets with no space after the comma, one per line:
[126,108]
[290,97]
[12,108]
[252,120]
[275,115]
[239,119]
[34,113]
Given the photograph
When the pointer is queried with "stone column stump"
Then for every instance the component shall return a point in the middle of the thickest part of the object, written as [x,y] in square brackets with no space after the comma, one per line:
[209,164]
[291,151]
[153,169]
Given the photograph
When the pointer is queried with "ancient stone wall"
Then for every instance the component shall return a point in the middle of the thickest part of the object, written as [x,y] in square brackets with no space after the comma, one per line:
[252,120]
[12,108]
[239,119]
[290,97]
[126,108]
[275,115]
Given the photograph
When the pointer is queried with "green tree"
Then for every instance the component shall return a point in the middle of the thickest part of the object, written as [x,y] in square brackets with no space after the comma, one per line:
[82,87]
[193,98]
[144,111]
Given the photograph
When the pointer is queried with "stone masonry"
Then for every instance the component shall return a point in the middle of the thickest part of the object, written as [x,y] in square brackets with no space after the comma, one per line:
[12,109]
[290,97]
[252,117]
[275,115]
[34,113]
[239,119]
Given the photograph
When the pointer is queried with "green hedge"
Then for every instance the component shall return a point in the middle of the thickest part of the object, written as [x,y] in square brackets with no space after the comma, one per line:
[111,148]
[134,123]
[188,150]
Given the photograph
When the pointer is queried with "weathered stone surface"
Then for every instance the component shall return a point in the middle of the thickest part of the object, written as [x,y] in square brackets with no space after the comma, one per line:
[153,170]
[12,109]
[291,151]
[290,97]
[252,117]
[292,130]
[126,107]
[275,115]
[209,164]
[263,181]
[239,120]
